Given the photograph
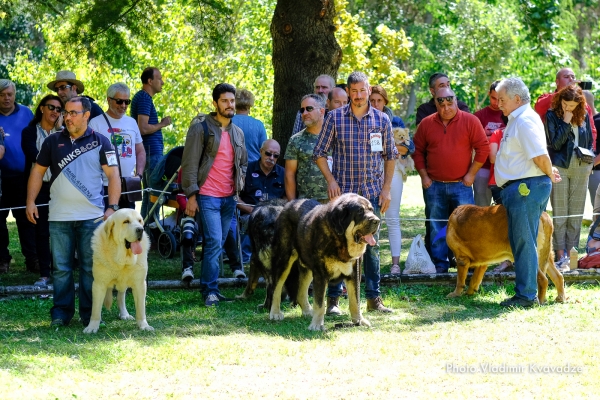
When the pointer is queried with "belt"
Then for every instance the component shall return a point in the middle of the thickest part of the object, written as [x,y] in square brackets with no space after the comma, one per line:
[507,184]
[460,180]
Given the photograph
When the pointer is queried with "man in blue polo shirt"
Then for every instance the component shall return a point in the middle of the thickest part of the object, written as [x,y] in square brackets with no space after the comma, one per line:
[13,119]
[76,156]
[144,112]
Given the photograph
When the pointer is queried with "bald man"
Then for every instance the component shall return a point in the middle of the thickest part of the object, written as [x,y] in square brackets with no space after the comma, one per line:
[337,98]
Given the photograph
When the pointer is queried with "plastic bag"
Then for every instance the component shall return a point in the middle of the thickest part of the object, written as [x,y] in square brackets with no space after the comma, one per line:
[418,260]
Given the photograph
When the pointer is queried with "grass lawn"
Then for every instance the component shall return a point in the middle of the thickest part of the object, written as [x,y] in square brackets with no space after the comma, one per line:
[430,347]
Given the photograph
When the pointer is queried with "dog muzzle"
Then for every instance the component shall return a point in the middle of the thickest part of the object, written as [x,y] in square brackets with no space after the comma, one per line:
[136,247]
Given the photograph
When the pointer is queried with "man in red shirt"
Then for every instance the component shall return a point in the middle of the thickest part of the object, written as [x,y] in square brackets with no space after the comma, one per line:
[564,78]
[491,119]
[444,142]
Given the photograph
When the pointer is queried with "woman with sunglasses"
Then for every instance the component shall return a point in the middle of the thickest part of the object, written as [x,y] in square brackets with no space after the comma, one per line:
[47,120]
[379,100]
[567,129]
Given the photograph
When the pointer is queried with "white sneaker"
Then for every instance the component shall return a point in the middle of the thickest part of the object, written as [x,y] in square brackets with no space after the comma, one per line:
[563,264]
[187,275]
[239,274]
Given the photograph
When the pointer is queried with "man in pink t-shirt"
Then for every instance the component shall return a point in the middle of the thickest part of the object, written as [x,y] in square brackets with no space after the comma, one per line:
[212,174]
[491,119]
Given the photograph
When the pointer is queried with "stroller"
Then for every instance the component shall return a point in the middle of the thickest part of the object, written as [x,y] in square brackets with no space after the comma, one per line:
[166,191]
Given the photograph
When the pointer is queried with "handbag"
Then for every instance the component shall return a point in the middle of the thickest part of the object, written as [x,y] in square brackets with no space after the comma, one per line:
[131,186]
[585,155]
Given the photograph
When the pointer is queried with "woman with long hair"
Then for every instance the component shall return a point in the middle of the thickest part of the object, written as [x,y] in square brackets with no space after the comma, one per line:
[567,129]
[379,100]
[47,120]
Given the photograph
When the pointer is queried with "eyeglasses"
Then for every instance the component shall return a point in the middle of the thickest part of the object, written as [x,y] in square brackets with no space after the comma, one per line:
[274,155]
[441,100]
[121,101]
[71,114]
[308,109]
[62,87]
[53,108]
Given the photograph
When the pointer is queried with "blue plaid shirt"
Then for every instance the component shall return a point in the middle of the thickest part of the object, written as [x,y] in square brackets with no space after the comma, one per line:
[356,168]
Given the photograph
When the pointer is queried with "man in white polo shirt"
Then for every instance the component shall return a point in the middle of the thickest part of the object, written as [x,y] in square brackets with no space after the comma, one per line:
[127,138]
[524,172]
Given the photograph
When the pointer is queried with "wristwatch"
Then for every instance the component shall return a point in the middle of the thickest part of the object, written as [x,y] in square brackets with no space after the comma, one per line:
[115,207]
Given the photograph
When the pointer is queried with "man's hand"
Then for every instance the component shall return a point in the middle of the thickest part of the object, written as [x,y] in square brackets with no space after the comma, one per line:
[32,213]
[468,179]
[333,190]
[166,121]
[384,200]
[108,213]
[192,206]
[426,182]
[555,177]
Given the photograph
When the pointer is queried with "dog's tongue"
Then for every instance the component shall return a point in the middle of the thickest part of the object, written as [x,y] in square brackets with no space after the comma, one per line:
[370,239]
[136,247]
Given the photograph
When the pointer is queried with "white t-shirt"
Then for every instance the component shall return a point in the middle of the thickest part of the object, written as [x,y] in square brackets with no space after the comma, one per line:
[127,135]
[524,138]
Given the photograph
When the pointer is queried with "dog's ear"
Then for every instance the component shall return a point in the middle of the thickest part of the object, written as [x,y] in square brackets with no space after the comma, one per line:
[341,217]
[109,225]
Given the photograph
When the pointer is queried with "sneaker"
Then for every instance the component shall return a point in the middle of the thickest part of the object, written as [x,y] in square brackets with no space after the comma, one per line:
[57,322]
[211,300]
[376,304]
[395,270]
[42,282]
[563,264]
[187,275]
[519,302]
[239,273]
[333,308]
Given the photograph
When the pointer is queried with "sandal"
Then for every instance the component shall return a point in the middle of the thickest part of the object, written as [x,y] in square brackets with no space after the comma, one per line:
[43,281]
[395,270]
[504,266]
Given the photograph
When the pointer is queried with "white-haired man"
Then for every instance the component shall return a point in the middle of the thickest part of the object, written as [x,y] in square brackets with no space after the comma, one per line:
[323,85]
[524,172]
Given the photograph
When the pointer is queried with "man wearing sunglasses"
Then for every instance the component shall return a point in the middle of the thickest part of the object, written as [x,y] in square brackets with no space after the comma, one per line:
[66,85]
[362,147]
[444,143]
[14,118]
[124,133]
[322,86]
[436,81]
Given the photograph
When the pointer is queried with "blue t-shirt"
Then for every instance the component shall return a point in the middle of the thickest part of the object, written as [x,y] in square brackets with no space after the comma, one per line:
[142,104]
[76,186]
[13,162]
[254,134]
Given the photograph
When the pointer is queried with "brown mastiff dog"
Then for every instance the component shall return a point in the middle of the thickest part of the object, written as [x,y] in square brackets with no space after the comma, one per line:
[478,236]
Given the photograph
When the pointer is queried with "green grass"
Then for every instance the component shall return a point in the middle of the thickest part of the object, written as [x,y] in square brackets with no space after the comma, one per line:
[235,351]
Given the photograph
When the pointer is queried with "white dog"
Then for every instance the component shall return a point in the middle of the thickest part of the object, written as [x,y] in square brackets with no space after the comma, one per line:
[120,248]
[407,164]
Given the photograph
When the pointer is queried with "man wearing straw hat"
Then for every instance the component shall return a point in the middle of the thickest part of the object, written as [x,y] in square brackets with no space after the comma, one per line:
[66,85]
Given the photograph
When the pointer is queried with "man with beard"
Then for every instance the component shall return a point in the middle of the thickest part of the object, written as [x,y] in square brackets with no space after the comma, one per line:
[364,157]
[213,168]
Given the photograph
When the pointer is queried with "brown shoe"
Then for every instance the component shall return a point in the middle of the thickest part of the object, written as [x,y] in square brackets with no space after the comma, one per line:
[376,304]
[333,306]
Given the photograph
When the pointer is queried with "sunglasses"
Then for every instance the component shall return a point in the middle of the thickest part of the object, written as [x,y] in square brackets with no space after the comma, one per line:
[72,114]
[274,155]
[121,101]
[441,100]
[53,108]
[308,109]
[62,87]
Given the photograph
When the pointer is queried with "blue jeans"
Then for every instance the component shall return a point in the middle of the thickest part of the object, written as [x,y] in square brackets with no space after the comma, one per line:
[370,266]
[215,217]
[65,238]
[151,161]
[442,199]
[523,222]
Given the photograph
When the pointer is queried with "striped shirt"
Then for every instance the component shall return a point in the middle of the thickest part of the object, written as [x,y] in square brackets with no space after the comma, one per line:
[356,168]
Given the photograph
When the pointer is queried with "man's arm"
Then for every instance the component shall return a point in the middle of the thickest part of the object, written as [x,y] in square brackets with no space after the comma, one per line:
[140,159]
[114,187]
[545,164]
[333,189]
[469,178]
[388,173]
[2,151]
[291,166]
[146,128]
[33,189]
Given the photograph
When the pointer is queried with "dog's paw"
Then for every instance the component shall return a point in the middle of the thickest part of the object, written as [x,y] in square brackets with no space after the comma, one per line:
[92,327]
[561,299]
[276,316]
[453,295]
[126,317]
[242,296]
[316,327]
[308,312]
[144,326]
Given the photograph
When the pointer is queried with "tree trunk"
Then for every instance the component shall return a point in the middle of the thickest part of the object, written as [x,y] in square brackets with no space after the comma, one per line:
[304,47]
